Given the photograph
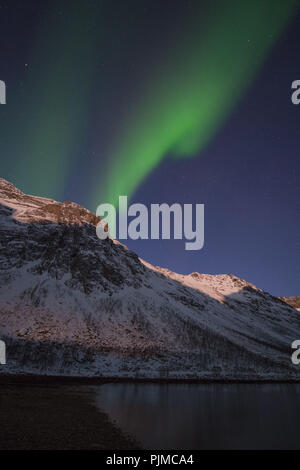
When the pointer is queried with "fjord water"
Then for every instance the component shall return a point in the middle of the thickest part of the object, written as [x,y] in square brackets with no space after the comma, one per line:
[205,416]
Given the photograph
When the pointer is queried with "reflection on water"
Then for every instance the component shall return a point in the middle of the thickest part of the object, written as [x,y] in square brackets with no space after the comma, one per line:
[214,416]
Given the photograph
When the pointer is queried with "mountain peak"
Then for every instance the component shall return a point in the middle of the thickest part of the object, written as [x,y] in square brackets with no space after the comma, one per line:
[30,209]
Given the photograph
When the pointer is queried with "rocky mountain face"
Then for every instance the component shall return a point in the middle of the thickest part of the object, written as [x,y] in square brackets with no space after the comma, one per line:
[293,301]
[71,304]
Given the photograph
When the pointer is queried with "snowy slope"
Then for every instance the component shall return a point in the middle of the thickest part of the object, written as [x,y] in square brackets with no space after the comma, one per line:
[72,304]
[292,301]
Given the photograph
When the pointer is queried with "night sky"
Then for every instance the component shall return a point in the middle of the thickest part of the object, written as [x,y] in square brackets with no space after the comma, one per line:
[163,101]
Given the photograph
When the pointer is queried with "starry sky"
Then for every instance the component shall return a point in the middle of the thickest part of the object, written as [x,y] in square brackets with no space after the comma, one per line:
[169,101]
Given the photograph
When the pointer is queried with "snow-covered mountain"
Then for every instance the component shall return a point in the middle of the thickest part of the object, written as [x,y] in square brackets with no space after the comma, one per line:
[293,301]
[72,304]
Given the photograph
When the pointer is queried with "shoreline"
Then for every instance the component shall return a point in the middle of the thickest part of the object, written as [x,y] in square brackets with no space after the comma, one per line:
[56,417]
[34,379]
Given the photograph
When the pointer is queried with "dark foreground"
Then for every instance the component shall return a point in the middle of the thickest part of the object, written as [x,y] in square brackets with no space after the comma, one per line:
[55,417]
[43,413]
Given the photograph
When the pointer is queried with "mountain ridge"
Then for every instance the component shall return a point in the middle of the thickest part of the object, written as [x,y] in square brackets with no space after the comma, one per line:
[71,304]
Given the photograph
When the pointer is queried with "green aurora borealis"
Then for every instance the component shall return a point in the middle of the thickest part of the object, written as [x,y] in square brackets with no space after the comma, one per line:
[194,90]
[57,99]
[191,87]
